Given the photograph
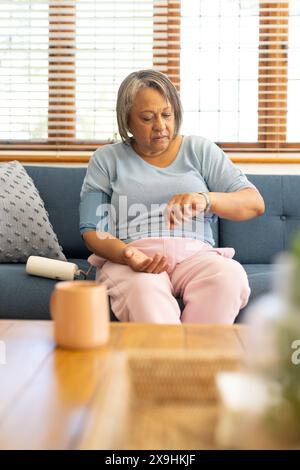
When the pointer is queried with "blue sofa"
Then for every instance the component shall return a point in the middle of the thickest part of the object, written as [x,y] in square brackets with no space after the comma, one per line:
[255,241]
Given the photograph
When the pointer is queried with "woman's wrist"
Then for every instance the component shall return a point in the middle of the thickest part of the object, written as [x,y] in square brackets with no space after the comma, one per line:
[110,247]
[208,202]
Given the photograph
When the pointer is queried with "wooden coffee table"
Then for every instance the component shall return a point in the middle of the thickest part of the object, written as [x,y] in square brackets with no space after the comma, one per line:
[49,395]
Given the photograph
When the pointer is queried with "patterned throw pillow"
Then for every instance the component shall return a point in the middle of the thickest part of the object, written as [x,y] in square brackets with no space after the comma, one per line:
[25,228]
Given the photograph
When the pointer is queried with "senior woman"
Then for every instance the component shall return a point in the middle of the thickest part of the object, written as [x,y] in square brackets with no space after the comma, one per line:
[147,205]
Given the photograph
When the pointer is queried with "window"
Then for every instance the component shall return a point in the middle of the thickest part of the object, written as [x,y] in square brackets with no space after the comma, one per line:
[23,70]
[235,63]
[219,68]
[61,62]
[113,38]
[240,72]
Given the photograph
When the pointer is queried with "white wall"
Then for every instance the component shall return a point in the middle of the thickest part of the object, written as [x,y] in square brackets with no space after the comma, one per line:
[269,168]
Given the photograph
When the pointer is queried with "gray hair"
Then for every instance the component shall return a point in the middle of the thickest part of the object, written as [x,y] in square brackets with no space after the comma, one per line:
[145,79]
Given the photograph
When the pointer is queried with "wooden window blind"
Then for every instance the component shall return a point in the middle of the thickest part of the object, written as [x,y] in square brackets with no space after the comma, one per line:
[166,31]
[236,64]
[62,71]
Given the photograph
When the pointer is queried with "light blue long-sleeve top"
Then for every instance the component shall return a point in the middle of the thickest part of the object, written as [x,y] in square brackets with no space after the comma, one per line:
[126,196]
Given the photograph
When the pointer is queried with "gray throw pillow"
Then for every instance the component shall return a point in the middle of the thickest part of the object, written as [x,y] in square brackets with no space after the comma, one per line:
[25,228]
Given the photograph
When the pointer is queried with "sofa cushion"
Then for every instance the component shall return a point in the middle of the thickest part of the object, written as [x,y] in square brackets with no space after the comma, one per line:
[260,278]
[27,297]
[258,240]
[60,189]
[25,228]
[32,294]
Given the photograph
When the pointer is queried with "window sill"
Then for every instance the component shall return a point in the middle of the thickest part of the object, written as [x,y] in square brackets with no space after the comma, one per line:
[46,156]
[80,157]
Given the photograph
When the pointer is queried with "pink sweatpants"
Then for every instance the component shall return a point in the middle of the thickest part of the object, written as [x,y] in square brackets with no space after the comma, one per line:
[213,286]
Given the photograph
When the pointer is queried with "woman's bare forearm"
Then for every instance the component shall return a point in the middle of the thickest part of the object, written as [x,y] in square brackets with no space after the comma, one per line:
[110,248]
[239,205]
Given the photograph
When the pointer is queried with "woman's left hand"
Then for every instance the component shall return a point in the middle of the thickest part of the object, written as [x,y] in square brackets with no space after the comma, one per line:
[183,207]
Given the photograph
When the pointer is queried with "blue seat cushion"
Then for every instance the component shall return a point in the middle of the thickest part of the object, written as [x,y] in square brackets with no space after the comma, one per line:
[33,292]
[261,278]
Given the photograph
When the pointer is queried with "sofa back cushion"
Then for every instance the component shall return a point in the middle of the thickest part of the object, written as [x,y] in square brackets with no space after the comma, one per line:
[258,240]
[255,241]
[59,187]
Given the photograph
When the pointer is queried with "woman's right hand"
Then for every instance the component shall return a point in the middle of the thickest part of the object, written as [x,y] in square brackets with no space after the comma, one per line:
[140,262]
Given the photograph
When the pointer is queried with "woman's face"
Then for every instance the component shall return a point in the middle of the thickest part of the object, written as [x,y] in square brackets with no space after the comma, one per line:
[151,122]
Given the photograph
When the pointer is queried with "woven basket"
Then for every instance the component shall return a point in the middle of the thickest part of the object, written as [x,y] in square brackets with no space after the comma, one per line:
[157,399]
